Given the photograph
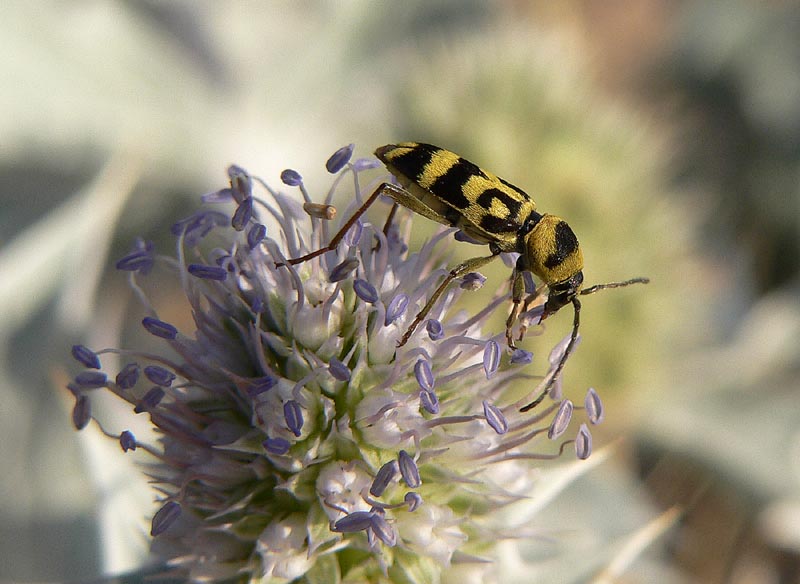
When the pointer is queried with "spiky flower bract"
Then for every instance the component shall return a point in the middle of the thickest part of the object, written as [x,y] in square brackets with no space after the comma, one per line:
[297,442]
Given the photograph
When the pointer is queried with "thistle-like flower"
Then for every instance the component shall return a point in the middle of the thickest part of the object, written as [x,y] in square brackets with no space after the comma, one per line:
[296,439]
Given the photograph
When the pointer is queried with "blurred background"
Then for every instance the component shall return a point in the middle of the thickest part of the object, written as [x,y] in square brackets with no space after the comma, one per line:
[667,132]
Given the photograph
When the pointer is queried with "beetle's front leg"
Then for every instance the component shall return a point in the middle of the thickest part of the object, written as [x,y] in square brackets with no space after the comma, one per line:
[517,292]
[523,328]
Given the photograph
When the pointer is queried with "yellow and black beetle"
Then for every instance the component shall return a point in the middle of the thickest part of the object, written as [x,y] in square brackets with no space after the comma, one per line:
[442,186]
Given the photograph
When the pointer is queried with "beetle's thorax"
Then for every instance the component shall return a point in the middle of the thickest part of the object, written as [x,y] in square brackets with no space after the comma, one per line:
[551,251]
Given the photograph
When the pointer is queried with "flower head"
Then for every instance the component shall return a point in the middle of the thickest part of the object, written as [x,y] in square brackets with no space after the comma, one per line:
[295,437]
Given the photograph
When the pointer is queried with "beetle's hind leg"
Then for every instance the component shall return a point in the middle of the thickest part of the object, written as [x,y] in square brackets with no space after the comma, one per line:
[389,219]
[383,188]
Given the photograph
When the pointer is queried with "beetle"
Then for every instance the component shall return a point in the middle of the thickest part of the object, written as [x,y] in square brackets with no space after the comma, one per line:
[444,187]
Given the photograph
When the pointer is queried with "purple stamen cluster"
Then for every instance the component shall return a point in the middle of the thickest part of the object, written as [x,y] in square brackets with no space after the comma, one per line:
[292,429]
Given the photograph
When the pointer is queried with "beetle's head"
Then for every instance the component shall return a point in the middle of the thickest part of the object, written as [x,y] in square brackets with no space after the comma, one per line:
[562,293]
[551,251]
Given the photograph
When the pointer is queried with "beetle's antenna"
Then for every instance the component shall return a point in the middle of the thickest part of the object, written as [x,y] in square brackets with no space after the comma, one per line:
[597,287]
[576,323]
